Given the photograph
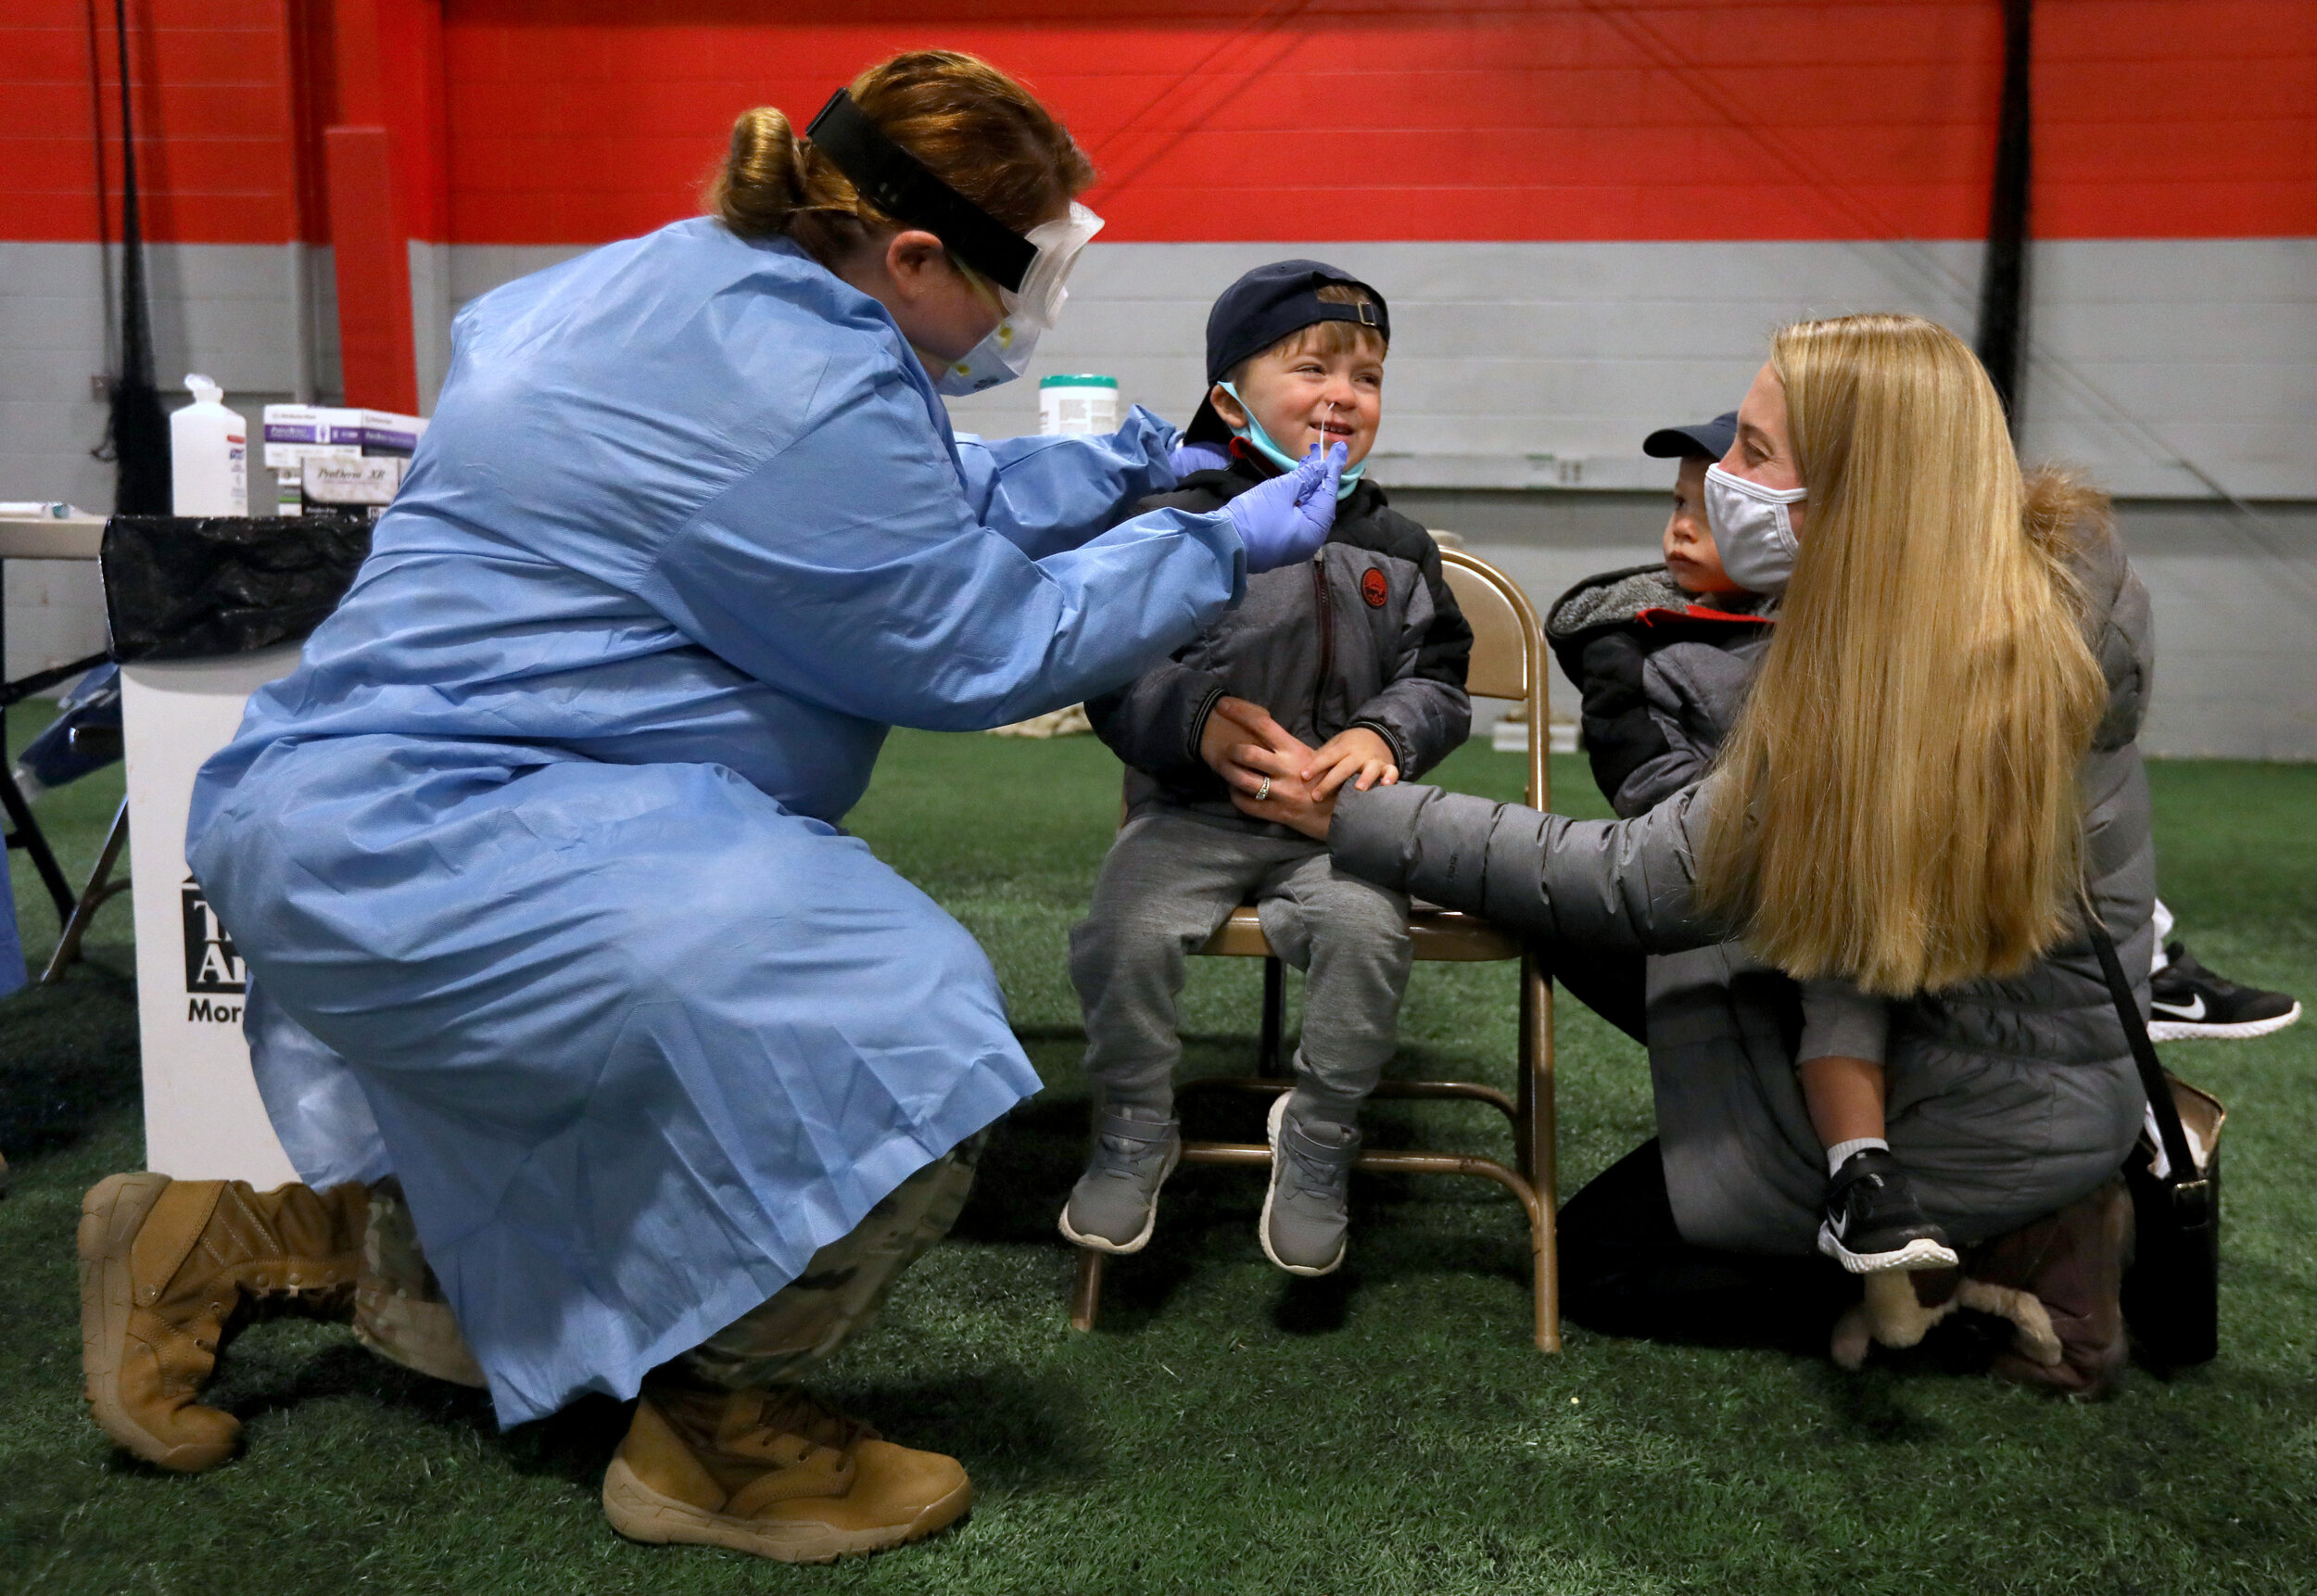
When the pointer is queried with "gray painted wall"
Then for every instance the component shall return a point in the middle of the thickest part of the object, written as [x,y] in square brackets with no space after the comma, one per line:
[259,318]
[244,314]
[2235,602]
[1522,365]
[1527,366]
[1517,365]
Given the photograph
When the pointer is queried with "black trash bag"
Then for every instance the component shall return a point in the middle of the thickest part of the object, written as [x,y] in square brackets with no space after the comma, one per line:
[186,588]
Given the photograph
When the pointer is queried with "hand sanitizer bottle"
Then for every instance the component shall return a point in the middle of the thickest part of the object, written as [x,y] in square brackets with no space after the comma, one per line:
[208,454]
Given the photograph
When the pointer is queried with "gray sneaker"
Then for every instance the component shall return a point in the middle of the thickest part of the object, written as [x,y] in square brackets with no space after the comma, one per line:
[1115,1203]
[1304,1209]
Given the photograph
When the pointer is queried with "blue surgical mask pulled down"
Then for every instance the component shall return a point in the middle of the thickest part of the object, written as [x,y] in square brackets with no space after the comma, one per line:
[1262,441]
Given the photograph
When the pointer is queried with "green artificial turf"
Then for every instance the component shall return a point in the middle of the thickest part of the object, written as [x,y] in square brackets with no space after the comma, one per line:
[1228,1429]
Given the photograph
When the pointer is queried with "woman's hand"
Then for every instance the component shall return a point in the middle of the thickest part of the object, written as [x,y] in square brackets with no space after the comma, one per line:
[1234,721]
[1284,796]
[1356,751]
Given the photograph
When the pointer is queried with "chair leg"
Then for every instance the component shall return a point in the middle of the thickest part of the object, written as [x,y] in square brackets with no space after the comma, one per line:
[92,897]
[1545,1244]
[1542,1155]
[1086,1297]
[1525,1087]
[1274,1017]
[1537,1152]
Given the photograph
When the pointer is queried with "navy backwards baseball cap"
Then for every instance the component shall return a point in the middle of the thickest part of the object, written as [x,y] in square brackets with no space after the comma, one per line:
[1699,440]
[1268,304]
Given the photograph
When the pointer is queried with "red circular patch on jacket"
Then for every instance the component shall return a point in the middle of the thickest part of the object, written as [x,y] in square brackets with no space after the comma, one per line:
[1373,587]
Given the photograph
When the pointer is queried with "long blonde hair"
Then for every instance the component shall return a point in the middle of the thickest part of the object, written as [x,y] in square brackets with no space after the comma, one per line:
[979,130]
[1898,803]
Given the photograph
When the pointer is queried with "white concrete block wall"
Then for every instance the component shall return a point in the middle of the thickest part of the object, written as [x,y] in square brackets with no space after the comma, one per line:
[55,613]
[2236,603]
[1536,366]
[1519,365]
[1545,364]
[230,312]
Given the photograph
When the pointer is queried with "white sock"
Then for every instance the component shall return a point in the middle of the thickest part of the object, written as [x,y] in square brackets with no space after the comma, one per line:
[1839,1153]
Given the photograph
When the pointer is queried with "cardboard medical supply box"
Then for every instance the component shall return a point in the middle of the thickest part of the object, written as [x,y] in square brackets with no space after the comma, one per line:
[373,481]
[296,434]
[204,612]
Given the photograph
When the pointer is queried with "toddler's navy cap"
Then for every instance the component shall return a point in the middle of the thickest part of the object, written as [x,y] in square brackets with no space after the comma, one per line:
[1267,305]
[1272,301]
[1699,440]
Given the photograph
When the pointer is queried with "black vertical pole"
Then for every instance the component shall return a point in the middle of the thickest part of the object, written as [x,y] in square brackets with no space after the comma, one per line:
[138,432]
[2002,274]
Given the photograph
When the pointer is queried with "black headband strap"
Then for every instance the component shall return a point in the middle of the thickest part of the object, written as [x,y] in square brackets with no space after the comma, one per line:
[899,185]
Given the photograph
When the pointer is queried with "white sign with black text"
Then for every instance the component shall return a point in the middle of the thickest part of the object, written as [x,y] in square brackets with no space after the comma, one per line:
[203,1119]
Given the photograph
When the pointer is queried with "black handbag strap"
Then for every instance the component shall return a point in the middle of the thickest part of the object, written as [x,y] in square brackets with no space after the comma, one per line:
[2190,1191]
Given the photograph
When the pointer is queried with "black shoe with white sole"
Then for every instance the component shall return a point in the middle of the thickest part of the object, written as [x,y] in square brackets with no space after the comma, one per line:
[2186,1000]
[1874,1223]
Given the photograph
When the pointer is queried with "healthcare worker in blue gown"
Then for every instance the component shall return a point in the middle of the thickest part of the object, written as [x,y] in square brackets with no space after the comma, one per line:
[535,859]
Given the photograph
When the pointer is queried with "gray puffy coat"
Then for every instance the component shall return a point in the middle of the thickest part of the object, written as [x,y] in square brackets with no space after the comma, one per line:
[1661,674]
[2005,1099]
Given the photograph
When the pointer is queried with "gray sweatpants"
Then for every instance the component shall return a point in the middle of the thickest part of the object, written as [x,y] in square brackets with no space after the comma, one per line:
[1168,883]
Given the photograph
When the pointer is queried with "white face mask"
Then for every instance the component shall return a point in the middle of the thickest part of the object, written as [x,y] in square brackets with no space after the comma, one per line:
[1753,532]
[1000,358]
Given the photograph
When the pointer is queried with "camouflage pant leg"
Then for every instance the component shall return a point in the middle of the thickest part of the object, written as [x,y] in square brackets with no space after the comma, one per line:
[844,1285]
[399,1312]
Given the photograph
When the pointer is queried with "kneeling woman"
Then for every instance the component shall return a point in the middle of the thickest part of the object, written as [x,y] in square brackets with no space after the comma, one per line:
[1938,752]
[535,859]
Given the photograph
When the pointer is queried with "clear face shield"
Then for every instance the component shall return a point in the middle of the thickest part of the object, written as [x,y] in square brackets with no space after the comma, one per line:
[1023,275]
[1026,313]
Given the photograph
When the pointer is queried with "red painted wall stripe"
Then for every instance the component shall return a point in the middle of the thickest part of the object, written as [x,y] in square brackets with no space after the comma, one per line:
[578,121]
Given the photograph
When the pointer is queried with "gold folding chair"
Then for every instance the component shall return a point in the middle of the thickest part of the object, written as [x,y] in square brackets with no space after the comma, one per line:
[1508,662]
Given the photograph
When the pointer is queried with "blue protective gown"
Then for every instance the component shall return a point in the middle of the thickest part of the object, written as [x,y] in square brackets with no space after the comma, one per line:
[535,859]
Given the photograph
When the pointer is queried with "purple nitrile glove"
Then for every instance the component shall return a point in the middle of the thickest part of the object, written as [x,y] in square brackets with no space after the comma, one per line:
[1190,457]
[1286,519]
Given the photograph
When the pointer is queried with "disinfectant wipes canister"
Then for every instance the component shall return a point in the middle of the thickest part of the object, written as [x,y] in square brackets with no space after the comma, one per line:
[1078,404]
[208,454]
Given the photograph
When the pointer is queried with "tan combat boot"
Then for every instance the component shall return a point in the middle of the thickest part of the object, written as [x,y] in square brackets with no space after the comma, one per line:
[166,1269]
[775,1473]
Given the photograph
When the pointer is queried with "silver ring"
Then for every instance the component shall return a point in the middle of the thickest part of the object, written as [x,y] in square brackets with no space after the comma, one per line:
[1265,791]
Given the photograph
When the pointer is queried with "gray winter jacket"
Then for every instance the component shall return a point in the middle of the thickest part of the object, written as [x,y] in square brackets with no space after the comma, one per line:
[1366,633]
[2005,1099]
[1661,675]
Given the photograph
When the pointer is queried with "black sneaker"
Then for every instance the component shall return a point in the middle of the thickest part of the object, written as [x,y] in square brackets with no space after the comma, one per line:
[1873,1221]
[2185,1000]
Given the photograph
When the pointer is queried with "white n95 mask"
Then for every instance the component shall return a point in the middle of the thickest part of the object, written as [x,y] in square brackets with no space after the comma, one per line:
[1753,532]
[999,358]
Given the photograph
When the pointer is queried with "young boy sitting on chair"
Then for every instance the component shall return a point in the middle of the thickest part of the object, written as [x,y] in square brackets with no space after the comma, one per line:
[1357,660]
